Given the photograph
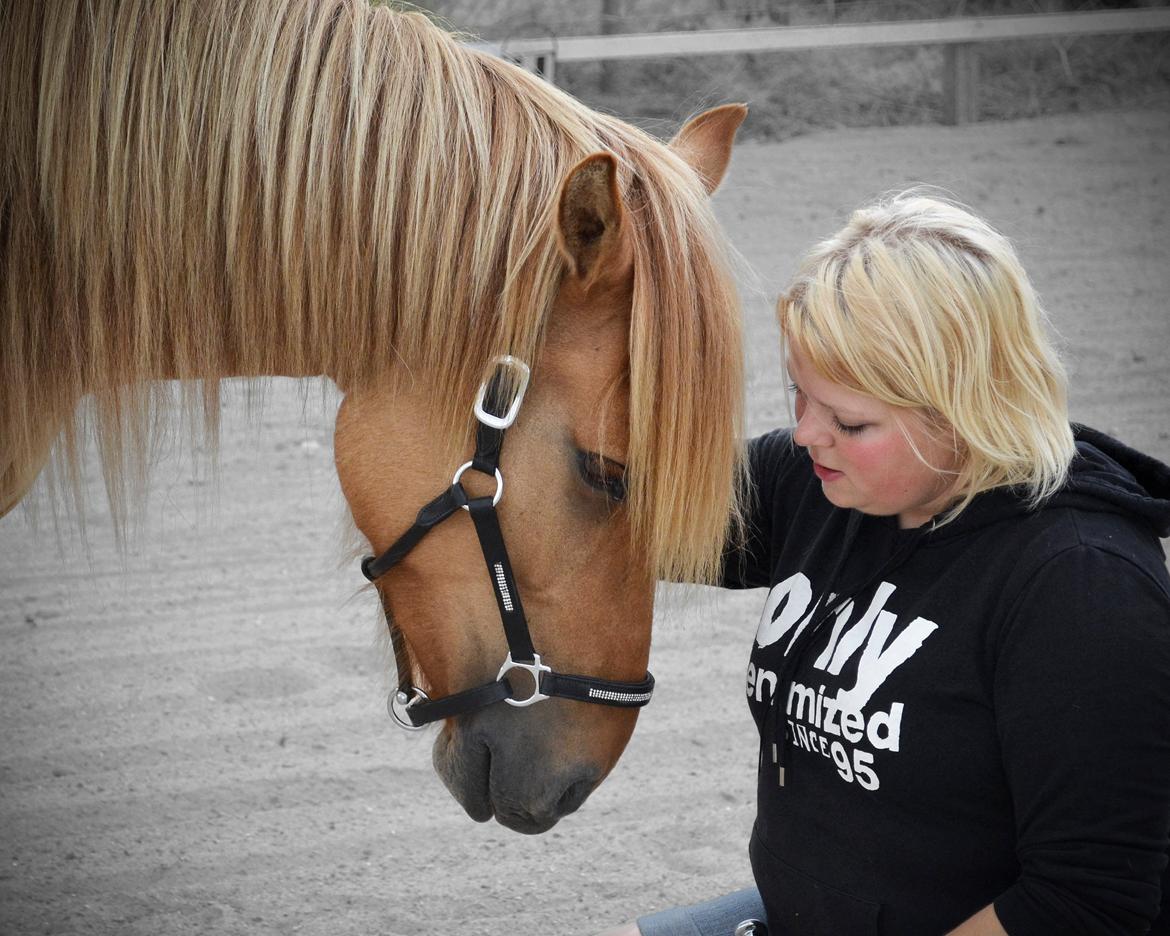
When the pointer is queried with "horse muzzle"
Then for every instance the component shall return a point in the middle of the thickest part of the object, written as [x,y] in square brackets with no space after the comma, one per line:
[522,770]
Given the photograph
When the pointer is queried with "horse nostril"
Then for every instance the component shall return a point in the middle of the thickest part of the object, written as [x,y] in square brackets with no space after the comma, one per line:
[575,795]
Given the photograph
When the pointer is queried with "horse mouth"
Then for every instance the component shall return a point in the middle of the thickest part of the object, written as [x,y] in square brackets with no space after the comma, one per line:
[465,774]
[486,789]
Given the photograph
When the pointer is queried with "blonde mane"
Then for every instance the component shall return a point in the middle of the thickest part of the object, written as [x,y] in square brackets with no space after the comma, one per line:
[272,187]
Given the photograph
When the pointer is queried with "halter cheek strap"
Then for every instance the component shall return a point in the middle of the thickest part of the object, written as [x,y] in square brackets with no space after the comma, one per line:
[496,408]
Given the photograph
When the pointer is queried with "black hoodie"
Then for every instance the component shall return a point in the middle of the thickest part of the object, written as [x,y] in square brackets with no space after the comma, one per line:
[976,713]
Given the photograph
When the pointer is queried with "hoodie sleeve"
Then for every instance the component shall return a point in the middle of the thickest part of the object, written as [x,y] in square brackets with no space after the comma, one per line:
[747,563]
[1082,696]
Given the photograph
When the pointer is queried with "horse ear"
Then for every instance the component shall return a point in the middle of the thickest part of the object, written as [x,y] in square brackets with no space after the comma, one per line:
[705,142]
[590,219]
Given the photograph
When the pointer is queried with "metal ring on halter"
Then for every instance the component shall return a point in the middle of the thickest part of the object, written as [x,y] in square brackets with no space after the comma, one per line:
[499,484]
[399,697]
[533,669]
[503,422]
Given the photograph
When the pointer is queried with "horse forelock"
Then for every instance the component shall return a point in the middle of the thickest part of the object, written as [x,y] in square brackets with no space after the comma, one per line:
[686,406]
[279,187]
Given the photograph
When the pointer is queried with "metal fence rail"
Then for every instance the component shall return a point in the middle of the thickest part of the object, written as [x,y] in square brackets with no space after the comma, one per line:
[959,37]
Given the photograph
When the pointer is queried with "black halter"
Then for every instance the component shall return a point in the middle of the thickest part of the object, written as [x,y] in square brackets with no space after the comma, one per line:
[409,706]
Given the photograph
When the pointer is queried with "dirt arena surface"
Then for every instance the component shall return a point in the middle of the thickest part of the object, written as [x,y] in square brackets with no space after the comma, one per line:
[193,737]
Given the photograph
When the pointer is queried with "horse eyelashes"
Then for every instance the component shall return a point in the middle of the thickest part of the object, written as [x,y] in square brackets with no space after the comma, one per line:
[604,475]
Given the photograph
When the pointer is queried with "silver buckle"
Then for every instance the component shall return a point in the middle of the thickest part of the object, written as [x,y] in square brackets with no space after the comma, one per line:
[533,669]
[401,700]
[503,422]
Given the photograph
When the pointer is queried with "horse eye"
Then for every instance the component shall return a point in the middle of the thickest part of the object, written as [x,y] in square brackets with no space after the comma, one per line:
[604,475]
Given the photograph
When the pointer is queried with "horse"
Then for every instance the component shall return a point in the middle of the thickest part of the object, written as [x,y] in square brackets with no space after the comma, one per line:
[257,188]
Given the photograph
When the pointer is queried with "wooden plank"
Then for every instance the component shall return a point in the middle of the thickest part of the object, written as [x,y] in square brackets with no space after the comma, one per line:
[841,35]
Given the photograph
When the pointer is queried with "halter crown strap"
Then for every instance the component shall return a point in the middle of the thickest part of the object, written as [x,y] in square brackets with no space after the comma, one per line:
[496,407]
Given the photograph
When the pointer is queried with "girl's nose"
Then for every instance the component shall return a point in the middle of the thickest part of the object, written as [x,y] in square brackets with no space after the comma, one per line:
[811,429]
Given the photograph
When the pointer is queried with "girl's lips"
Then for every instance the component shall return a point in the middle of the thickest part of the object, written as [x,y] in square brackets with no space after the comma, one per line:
[826,474]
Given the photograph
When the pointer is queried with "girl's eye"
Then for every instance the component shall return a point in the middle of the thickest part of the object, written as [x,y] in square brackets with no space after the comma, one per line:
[837,424]
[847,430]
[604,475]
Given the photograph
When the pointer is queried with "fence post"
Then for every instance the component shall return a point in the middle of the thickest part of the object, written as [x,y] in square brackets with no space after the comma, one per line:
[543,64]
[960,83]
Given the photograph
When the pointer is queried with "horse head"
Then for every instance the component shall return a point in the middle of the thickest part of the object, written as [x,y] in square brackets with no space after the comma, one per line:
[579,557]
[342,189]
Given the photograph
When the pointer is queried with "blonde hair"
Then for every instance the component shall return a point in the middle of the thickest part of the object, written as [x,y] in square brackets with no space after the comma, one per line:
[922,305]
[286,187]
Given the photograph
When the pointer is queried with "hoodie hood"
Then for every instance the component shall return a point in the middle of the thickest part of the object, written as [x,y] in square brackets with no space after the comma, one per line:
[1109,476]
[1106,476]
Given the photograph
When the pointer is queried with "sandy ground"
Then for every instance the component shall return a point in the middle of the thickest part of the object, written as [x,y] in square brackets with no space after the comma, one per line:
[193,738]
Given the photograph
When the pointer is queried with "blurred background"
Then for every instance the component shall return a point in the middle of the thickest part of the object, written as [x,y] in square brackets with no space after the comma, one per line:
[795,92]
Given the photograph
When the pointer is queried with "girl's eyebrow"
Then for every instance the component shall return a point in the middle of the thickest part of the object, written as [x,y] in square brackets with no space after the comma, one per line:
[849,415]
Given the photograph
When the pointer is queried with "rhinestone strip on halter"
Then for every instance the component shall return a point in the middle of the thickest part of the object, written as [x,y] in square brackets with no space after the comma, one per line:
[502,585]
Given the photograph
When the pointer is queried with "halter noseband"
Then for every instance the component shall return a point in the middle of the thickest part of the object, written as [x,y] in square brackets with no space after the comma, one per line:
[408,705]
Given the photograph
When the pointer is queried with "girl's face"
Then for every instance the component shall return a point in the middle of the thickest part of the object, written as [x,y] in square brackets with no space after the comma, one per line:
[869,456]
